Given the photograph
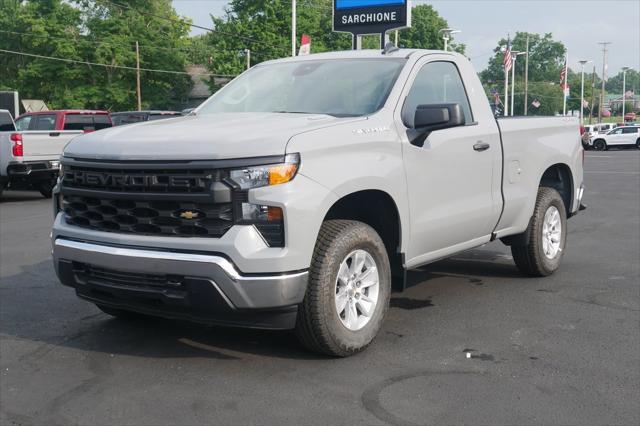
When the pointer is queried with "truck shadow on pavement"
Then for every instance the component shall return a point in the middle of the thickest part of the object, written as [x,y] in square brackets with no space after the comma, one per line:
[37,308]
[17,196]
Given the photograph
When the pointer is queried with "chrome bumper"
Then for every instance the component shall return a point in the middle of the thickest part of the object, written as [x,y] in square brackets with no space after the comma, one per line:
[239,291]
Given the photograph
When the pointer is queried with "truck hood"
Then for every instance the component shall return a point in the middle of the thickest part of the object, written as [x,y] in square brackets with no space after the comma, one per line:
[199,137]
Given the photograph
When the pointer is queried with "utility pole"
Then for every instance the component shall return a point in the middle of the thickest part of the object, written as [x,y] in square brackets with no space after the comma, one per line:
[624,89]
[526,78]
[138,92]
[293,27]
[593,93]
[396,39]
[247,53]
[604,77]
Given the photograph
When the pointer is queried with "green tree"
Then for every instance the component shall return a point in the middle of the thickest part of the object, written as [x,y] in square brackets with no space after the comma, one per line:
[264,26]
[614,84]
[100,32]
[546,59]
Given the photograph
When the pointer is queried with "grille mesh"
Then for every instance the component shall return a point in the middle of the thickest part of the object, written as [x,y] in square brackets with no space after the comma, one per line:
[170,218]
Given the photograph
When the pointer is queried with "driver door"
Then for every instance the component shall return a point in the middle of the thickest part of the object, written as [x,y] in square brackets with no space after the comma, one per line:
[453,186]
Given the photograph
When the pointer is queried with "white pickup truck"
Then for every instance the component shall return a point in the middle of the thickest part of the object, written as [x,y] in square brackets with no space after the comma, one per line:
[31,158]
[299,195]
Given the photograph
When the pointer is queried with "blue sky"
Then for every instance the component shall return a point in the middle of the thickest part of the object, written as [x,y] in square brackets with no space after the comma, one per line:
[579,24]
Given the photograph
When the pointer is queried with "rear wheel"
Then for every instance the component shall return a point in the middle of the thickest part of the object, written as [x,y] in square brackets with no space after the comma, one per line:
[348,292]
[546,236]
[638,143]
[600,145]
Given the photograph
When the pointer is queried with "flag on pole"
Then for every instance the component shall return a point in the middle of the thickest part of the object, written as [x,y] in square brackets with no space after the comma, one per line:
[507,60]
[564,84]
[305,45]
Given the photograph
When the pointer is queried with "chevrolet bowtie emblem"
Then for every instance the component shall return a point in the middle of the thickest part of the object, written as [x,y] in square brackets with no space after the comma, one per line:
[189,215]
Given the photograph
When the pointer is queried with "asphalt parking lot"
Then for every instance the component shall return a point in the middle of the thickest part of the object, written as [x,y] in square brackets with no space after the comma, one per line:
[558,350]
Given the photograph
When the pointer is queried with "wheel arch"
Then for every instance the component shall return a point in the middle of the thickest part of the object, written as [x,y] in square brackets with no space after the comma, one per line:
[559,177]
[379,210]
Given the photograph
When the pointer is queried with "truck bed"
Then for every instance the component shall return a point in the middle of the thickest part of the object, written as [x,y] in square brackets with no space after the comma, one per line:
[530,146]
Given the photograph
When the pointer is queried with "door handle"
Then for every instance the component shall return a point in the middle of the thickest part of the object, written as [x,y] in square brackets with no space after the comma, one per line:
[54,134]
[481,146]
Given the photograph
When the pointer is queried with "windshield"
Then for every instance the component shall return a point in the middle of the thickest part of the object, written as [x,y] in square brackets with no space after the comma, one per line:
[342,88]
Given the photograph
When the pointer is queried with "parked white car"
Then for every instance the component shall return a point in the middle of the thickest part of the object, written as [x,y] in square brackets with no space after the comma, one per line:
[620,136]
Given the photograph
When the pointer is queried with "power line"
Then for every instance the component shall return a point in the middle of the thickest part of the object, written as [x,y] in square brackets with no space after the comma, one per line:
[106,43]
[113,66]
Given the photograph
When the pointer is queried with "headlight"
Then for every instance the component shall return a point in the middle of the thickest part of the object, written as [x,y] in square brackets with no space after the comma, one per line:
[271,174]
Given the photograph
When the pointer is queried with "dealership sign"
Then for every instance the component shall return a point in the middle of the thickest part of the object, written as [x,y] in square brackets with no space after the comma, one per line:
[360,17]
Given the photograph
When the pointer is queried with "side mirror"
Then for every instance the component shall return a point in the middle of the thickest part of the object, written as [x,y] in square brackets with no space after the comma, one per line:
[432,117]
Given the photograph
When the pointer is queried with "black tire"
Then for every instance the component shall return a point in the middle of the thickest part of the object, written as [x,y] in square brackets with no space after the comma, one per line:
[600,145]
[531,259]
[45,188]
[118,313]
[318,325]
[638,144]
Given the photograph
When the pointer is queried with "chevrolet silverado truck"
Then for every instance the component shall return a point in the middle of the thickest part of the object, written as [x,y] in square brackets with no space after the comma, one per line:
[300,194]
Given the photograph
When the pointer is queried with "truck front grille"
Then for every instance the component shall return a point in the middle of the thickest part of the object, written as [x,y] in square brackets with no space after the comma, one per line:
[189,181]
[178,199]
[170,218]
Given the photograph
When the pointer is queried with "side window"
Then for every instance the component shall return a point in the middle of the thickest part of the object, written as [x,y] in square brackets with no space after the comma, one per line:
[44,122]
[22,124]
[616,132]
[78,122]
[6,122]
[436,83]
[101,121]
[627,130]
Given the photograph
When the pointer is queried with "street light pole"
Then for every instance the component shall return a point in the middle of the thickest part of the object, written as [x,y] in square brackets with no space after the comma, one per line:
[293,27]
[624,89]
[526,78]
[582,64]
[446,36]
[514,56]
[248,54]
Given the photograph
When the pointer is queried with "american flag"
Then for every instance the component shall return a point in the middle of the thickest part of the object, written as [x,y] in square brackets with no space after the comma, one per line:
[564,84]
[507,62]
[563,75]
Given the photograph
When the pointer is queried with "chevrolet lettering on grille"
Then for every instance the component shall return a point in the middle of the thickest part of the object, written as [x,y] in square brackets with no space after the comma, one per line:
[125,181]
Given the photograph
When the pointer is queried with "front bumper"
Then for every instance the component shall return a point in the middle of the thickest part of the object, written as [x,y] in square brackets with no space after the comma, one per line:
[183,285]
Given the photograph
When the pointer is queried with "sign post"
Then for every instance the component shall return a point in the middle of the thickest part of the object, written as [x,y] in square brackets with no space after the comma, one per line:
[363,17]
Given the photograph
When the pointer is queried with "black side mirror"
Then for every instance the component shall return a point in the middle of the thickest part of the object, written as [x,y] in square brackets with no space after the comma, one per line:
[432,117]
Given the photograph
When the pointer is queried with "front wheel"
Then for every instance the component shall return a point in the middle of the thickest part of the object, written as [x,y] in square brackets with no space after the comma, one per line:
[600,145]
[546,236]
[348,292]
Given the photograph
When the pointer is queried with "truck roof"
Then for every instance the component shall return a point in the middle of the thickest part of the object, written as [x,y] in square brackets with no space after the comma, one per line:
[67,111]
[361,54]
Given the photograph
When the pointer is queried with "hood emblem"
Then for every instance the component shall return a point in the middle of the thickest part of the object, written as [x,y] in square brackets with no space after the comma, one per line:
[188,214]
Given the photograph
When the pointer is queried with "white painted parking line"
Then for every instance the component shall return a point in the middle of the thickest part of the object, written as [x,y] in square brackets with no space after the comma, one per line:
[612,173]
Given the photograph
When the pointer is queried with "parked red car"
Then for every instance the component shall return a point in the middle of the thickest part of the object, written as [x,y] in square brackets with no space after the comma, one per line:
[66,119]
[630,116]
